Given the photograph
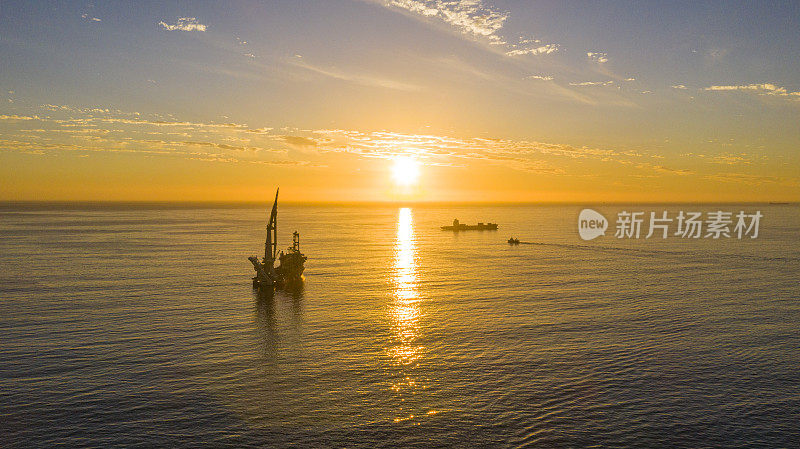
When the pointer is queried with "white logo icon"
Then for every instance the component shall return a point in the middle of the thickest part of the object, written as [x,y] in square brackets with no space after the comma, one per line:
[591,224]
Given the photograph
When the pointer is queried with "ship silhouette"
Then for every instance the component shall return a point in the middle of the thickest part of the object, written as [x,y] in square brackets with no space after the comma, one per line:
[465,227]
[291,263]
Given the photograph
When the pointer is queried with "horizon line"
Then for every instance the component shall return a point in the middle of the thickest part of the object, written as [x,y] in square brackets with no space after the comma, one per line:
[217,203]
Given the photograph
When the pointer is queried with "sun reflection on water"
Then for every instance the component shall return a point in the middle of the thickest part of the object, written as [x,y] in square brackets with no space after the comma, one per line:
[404,309]
[405,313]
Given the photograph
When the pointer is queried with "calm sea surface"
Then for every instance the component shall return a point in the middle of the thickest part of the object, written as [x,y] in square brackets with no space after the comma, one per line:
[137,326]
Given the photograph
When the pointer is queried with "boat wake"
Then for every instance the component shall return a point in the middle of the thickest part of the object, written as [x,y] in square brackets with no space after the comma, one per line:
[697,254]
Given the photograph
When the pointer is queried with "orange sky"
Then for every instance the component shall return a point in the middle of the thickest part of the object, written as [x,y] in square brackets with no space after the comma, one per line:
[532,103]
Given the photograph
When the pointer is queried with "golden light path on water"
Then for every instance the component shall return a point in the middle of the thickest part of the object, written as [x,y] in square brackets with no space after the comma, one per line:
[404,309]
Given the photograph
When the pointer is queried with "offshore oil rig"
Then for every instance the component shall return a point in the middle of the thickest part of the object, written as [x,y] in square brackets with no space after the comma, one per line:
[291,263]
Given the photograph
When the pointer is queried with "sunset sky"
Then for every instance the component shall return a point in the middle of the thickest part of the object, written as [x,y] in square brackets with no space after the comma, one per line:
[463,100]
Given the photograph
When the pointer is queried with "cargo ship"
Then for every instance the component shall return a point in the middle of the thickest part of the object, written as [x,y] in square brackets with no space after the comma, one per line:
[457,226]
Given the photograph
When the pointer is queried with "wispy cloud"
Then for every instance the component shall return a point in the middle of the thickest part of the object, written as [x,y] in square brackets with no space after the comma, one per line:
[444,150]
[84,131]
[470,17]
[716,55]
[355,77]
[90,18]
[475,20]
[95,110]
[761,89]
[750,179]
[225,146]
[728,158]
[300,141]
[18,117]
[541,50]
[103,129]
[599,57]
[592,83]
[94,130]
[540,77]
[184,24]
[242,44]
[666,170]
[679,86]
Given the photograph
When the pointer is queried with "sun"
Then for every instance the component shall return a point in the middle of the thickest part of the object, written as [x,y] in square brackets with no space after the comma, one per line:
[405,171]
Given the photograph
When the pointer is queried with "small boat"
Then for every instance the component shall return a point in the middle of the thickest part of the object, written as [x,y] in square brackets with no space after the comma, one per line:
[464,227]
[513,241]
[290,270]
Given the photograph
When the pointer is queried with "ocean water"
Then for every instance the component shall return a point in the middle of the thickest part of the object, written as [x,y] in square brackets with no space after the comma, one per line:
[137,326]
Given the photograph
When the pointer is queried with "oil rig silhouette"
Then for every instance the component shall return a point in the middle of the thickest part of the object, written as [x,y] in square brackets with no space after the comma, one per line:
[291,263]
